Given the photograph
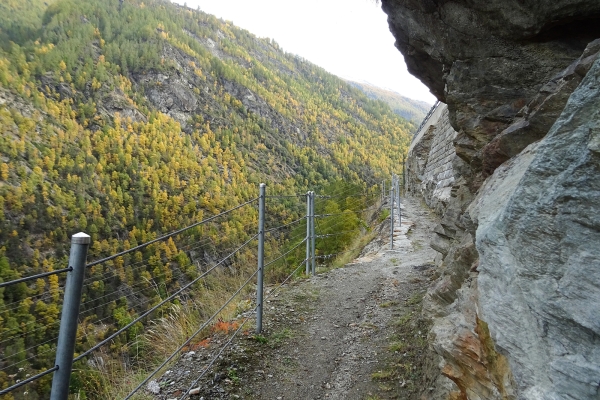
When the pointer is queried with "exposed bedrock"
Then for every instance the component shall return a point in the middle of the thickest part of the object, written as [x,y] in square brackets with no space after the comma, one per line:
[538,243]
[486,59]
[515,181]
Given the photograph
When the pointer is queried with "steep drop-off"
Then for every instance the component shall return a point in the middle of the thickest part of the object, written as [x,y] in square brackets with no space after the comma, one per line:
[514,308]
[131,119]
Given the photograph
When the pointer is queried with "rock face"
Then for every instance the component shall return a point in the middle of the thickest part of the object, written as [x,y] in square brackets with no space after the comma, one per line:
[514,308]
[539,279]
[536,118]
[487,59]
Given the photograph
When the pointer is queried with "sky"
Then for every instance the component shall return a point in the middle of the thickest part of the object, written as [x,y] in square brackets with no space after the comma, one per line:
[349,38]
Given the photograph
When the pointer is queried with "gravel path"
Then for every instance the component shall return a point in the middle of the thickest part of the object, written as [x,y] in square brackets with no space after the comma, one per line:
[351,333]
[344,342]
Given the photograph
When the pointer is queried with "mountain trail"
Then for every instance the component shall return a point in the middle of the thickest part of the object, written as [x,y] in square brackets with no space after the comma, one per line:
[354,332]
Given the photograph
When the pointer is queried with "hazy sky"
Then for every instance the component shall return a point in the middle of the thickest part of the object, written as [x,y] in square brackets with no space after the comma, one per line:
[349,38]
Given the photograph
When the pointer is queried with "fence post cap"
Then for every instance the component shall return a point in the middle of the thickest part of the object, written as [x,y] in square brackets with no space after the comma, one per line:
[81,238]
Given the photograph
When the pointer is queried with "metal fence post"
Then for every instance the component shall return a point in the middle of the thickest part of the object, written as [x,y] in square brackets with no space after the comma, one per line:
[261,257]
[392,216]
[398,202]
[68,320]
[312,232]
[307,233]
[404,172]
[394,186]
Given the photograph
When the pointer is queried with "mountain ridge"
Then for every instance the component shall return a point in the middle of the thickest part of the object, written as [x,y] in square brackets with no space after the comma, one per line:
[406,107]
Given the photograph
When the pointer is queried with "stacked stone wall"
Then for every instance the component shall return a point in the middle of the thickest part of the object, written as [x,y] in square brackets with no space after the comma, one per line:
[430,170]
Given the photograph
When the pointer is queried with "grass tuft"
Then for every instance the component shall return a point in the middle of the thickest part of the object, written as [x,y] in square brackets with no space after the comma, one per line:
[403,319]
[415,299]
[382,375]
[278,337]
[389,304]
[259,338]
[397,346]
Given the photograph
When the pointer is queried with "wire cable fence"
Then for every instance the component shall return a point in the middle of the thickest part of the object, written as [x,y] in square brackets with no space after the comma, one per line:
[32,277]
[163,302]
[170,235]
[338,233]
[237,331]
[429,113]
[26,353]
[143,281]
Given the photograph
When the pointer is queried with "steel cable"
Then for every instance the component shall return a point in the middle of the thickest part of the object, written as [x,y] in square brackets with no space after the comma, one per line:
[334,214]
[337,234]
[171,297]
[283,196]
[321,196]
[29,278]
[285,225]
[177,232]
[30,379]
[284,254]
[345,212]
[204,325]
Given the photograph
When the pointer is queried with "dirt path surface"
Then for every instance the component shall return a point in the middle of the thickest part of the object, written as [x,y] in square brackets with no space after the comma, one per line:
[350,333]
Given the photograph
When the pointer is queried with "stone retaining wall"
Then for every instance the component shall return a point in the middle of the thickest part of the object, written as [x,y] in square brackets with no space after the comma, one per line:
[431,156]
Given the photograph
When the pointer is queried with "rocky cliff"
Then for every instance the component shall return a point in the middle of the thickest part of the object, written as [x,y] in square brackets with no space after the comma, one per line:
[516,186]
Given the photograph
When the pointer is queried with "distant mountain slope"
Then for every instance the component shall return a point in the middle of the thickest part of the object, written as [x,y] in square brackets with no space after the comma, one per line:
[19,19]
[413,110]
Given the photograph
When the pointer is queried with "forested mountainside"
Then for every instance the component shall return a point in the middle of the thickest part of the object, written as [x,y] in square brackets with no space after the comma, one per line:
[412,110]
[131,120]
